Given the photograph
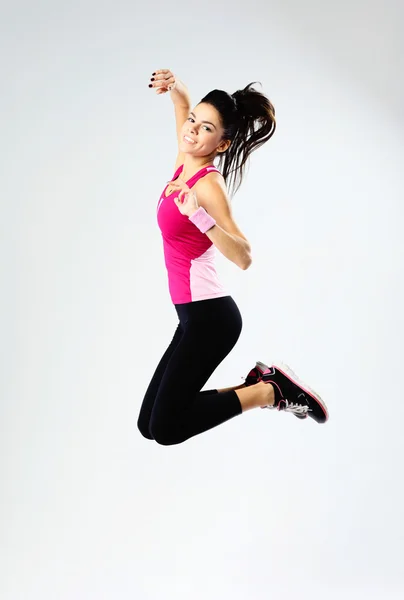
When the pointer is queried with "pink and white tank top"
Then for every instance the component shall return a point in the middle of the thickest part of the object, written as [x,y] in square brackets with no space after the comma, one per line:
[189,254]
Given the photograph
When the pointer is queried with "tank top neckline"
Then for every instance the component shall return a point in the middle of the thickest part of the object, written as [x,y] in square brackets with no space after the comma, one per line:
[196,176]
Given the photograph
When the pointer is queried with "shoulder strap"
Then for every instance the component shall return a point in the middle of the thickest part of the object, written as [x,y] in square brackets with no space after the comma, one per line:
[178,171]
[200,174]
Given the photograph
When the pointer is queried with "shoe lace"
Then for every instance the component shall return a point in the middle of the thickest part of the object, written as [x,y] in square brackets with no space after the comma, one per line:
[296,409]
[292,407]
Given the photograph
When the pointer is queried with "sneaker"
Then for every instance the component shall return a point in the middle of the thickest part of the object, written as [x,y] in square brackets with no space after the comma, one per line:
[293,395]
[256,374]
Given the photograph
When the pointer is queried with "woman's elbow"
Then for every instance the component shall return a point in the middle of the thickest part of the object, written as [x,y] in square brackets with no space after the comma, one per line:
[246,263]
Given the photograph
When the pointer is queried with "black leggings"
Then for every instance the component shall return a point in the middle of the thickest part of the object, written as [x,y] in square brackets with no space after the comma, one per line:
[174,409]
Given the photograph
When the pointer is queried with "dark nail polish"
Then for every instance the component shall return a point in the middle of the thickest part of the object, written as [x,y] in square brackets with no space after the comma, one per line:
[153,73]
[150,85]
[152,79]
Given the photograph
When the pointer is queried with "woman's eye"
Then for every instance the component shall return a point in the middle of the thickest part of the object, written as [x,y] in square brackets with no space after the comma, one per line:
[206,127]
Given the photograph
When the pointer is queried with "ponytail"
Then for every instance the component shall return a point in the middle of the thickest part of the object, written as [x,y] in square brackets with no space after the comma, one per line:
[248,119]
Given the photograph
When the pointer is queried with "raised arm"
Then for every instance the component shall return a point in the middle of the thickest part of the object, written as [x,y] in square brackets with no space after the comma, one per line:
[163,81]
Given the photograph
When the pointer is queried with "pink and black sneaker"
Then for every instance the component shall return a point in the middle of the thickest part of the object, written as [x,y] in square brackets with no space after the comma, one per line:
[255,375]
[291,394]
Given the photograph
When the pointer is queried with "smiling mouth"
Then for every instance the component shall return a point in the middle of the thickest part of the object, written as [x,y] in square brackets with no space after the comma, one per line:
[188,140]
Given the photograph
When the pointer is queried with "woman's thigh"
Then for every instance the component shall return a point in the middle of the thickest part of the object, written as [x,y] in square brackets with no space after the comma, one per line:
[210,331]
[152,389]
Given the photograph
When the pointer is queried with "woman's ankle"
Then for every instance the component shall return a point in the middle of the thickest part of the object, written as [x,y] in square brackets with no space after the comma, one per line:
[255,396]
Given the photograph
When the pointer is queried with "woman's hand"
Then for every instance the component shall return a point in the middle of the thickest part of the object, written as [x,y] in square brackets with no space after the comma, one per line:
[186,200]
[163,80]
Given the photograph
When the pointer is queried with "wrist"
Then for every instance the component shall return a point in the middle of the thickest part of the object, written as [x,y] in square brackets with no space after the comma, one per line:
[202,220]
[179,94]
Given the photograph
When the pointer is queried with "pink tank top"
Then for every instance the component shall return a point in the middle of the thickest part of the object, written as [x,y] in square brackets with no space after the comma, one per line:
[189,254]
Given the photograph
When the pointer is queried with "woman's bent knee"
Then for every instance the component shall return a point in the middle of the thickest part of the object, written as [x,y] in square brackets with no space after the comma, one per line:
[162,434]
[144,430]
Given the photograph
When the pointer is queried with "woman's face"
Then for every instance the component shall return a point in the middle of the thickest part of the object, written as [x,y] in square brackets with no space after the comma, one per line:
[202,132]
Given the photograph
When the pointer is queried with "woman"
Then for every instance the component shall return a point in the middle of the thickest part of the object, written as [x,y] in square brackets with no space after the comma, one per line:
[194,216]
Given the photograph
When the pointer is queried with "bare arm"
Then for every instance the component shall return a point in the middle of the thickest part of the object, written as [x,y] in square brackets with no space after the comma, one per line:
[225,235]
[211,195]
[165,81]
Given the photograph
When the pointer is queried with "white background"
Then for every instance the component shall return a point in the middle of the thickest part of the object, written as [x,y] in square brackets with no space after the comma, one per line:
[264,506]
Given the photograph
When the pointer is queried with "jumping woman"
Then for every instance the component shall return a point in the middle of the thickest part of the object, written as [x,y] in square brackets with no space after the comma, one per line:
[194,216]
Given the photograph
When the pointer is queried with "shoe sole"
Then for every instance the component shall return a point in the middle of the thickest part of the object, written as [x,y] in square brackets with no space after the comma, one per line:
[287,371]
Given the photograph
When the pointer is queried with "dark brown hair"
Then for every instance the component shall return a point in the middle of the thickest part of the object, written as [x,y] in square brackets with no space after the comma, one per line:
[248,119]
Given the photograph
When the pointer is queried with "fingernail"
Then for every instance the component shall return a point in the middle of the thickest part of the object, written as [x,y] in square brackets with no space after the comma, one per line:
[153,73]
[152,79]
[150,85]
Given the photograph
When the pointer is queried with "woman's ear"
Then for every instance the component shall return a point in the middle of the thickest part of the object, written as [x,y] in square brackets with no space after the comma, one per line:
[224,146]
